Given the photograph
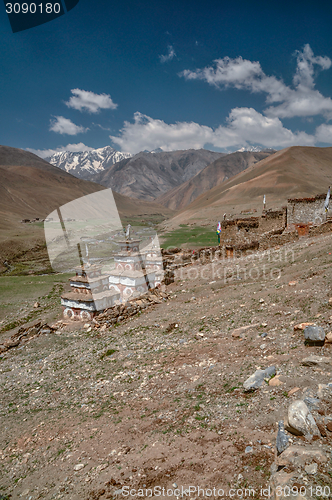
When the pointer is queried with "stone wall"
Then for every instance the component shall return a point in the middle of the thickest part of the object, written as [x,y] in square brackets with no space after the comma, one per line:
[324,228]
[273,240]
[273,221]
[239,237]
[245,232]
[305,212]
[121,312]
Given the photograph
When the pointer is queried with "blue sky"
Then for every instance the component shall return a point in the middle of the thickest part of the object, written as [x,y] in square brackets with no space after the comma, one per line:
[140,75]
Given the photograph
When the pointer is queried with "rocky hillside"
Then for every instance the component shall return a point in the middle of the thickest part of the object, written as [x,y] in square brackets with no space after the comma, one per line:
[212,384]
[294,172]
[31,187]
[213,175]
[149,175]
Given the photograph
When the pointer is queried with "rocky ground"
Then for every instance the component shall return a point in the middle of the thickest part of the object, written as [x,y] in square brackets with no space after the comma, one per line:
[158,400]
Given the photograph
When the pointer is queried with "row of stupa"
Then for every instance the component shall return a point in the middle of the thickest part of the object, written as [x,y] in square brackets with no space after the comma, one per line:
[135,272]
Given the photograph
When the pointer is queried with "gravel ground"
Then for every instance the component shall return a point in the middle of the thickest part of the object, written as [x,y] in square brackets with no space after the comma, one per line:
[158,400]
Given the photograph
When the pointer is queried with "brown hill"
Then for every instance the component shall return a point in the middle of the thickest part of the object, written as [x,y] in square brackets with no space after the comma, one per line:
[293,172]
[30,188]
[212,175]
[149,175]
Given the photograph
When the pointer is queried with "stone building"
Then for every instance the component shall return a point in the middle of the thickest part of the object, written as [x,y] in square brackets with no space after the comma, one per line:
[245,233]
[302,213]
[134,273]
[89,294]
[130,274]
[301,217]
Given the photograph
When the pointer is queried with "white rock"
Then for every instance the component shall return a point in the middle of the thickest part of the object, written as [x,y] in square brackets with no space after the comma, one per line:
[300,421]
[311,469]
[78,466]
[314,334]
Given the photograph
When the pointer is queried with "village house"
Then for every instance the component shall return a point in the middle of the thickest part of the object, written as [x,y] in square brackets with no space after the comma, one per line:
[301,217]
[302,213]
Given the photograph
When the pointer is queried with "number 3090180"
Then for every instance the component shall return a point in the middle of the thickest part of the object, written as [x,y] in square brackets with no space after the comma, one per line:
[32,8]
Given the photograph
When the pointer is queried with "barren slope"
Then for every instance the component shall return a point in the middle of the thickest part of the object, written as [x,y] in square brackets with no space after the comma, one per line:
[212,175]
[158,399]
[293,172]
[30,187]
[149,175]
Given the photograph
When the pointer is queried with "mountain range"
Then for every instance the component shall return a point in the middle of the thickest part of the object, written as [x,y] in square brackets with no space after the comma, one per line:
[32,188]
[200,185]
[149,175]
[173,178]
[84,164]
[294,172]
[212,175]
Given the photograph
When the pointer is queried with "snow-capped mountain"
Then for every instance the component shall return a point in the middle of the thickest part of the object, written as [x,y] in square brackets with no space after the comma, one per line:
[254,149]
[158,150]
[84,164]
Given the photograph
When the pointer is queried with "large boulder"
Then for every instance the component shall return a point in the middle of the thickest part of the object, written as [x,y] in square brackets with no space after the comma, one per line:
[314,335]
[313,360]
[300,421]
[299,456]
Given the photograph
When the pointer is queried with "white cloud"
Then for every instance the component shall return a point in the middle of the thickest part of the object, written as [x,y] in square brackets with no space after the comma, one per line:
[299,100]
[169,56]
[147,133]
[305,66]
[249,126]
[84,100]
[324,133]
[244,126]
[303,103]
[65,126]
[74,148]
[228,72]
